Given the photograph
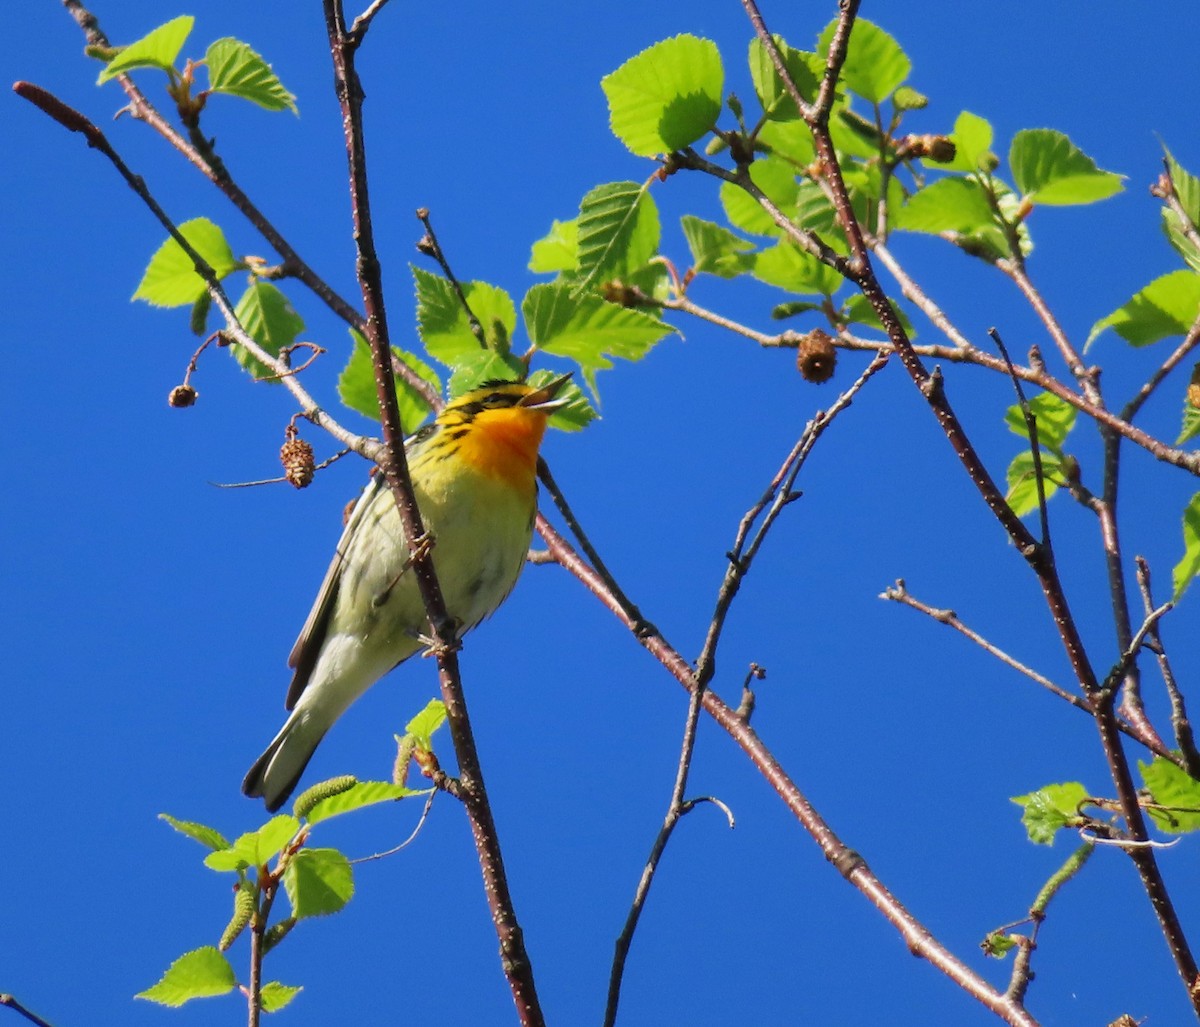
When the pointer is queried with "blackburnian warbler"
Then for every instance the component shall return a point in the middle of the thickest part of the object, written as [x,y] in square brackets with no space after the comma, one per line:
[473,472]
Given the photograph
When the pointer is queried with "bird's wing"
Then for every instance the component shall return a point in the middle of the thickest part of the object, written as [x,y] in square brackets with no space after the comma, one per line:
[312,636]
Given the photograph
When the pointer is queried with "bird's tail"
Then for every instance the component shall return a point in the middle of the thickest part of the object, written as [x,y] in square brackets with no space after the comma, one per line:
[277,771]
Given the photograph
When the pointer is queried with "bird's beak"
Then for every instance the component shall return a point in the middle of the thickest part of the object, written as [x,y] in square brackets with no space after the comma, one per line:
[544,398]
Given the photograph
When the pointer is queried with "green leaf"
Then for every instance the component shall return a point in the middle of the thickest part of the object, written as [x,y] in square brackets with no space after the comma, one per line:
[1191,423]
[777,179]
[998,945]
[1051,170]
[255,848]
[1055,418]
[786,266]
[972,138]
[234,68]
[803,68]
[1022,493]
[793,308]
[790,140]
[356,384]
[443,325]
[715,250]
[206,836]
[361,794]
[947,205]
[1187,190]
[586,328]
[319,881]
[618,231]
[171,279]
[157,49]
[425,723]
[201,973]
[1167,306]
[576,414]
[485,365]
[1189,565]
[275,995]
[1050,808]
[858,310]
[816,213]
[264,311]
[667,97]
[558,250]
[875,63]
[1171,786]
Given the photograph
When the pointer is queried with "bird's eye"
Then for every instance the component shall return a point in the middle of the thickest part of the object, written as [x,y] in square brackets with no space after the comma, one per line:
[494,399]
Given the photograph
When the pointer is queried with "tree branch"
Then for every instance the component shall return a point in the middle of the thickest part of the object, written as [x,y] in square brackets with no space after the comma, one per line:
[515,961]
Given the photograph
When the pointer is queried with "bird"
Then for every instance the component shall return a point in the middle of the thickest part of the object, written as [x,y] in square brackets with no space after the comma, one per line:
[473,471]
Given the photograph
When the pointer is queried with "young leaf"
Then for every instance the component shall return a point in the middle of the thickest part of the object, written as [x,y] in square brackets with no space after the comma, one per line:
[425,723]
[356,384]
[972,138]
[206,836]
[318,882]
[858,310]
[264,311]
[171,279]
[786,266]
[803,68]
[234,68]
[947,205]
[777,179]
[157,49]
[1167,306]
[1191,423]
[254,848]
[201,973]
[1022,493]
[586,328]
[558,250]
[1051,170]
[1055,418]
[575,415]
[1170,786]
[443,325]
[1187,189]
[1189,565]
[484,365]
[361,794]
[791,140]
[1049,809]
[275,995]
[618,231]
[715,250]
[667,97]
[875,63]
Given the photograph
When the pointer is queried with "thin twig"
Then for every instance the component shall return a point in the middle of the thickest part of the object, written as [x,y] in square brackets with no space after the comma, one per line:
[1180,723]
[74,121]
[859,270]
[9,1002]
[430,246]
[407,841]
[201,155]
[899,593]
[515,962]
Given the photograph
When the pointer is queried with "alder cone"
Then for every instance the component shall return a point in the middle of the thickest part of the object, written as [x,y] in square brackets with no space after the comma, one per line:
[816,356]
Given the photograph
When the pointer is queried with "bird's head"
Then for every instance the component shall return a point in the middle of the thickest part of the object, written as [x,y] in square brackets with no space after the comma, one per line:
[498,427]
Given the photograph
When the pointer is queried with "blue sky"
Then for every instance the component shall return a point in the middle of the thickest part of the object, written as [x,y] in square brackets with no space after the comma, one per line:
[150,615]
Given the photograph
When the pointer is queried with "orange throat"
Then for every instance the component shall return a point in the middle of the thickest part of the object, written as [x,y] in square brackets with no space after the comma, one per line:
[503,444]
